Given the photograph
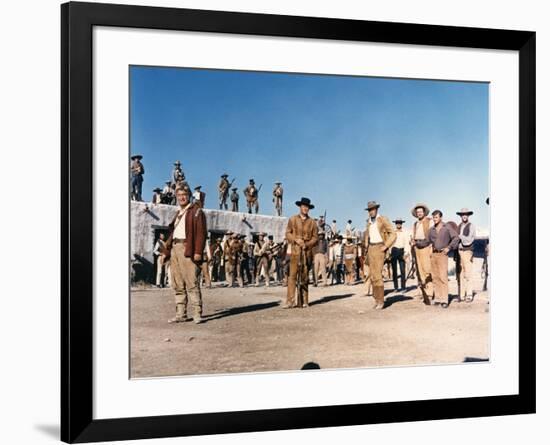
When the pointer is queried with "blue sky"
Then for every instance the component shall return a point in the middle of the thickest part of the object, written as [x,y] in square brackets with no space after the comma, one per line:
[339,140]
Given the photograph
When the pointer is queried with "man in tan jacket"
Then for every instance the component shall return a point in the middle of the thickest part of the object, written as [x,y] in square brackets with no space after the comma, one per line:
[422,251]
[379,237]
[301,234]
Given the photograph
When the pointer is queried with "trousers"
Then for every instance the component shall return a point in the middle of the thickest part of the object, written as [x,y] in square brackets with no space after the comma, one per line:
[320,267]
[398,257]
[185,281]
[424,270]
[440,275]
[293,273]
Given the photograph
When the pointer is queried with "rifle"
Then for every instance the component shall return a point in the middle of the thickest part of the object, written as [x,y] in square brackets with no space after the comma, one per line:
[231,183]
[259,188]
[299,296]
[413,267]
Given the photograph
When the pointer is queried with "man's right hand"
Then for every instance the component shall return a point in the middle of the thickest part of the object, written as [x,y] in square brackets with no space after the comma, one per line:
[300,242]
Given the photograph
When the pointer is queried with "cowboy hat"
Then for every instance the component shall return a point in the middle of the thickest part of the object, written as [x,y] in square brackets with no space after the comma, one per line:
[420,205]
[198,187]
[372,205]
[278,182]
[177,163]
[399,221]
[225,175]
[234,188]
[157,189]
[305,202]
[464,211]
[136,157]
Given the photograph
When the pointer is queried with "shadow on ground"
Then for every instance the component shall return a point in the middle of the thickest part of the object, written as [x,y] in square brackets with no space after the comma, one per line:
[330,298]
[240,310]
[396,299]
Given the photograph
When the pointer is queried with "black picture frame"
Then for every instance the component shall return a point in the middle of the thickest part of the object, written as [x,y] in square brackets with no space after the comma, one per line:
[77,22]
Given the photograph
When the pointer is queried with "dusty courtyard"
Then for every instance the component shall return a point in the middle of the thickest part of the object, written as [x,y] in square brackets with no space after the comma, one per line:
[247,330]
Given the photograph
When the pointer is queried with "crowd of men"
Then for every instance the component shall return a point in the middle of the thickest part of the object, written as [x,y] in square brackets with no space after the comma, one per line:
[167,194]
[314,252]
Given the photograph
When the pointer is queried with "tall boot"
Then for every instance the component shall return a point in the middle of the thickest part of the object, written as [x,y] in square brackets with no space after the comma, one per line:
[378,292]
[181,315]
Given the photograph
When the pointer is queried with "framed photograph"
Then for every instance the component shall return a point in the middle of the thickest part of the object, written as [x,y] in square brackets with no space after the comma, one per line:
[275,222]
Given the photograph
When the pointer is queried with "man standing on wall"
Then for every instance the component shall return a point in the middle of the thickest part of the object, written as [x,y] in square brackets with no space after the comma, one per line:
[186,246]
[136,171]
[251,195]
[278,198]
[234,200]
[466,234]
[223,191]
[301,234]
[379,237]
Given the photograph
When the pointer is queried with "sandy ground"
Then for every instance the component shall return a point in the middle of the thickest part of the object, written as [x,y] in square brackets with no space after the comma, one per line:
[246,330]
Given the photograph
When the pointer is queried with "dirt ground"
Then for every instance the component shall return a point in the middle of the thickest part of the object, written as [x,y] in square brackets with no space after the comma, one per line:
[247,330]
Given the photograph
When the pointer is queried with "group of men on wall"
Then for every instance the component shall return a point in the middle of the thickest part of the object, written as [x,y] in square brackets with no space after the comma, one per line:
[306,248]
[167,194]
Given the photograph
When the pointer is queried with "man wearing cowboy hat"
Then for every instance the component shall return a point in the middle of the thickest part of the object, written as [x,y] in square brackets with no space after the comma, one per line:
[400,251]
[223,191]
[466,234]
[157,197]
[199,196]
[278,198]
[137,171]
[348,230]
[251,195]
[177,173]
[301,233]
[261,247]
[167,195]
[234,200]
[422,250]
[379,237]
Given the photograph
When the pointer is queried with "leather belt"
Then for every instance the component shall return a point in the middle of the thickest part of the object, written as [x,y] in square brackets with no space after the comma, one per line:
[375,244]
[179,240]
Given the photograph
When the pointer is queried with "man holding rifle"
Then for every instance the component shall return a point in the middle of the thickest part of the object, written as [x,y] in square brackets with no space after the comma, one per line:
[301,234]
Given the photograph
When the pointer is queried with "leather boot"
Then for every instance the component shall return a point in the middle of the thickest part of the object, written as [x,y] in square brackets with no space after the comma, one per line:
[379,296]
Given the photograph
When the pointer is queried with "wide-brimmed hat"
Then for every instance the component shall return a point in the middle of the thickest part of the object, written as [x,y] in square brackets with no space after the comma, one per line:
[278,182]
[234,188]
[349,221]
[262,234]
[198,187]
[168,182]
[465,211]
[372,205]
[398,221]
[177,163]
[421,205]
[157,189]
[305,202]
[251,180]
[136,157]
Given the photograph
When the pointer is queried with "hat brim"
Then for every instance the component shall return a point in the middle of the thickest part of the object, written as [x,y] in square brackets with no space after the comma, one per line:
[300,203]
[398,221]
[136,157]
[373,207]
[464,213]
[420,206]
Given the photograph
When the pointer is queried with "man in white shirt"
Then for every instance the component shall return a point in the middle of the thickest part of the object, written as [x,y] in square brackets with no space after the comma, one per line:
[159,253]
[400,251]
